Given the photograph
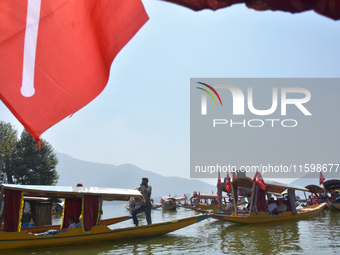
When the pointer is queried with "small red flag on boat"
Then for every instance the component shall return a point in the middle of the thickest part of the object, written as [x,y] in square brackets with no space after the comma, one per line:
[259,180]
[228,183]
[219,179]
[322,178]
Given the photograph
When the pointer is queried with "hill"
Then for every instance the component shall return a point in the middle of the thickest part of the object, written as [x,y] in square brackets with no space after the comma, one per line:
[72,171]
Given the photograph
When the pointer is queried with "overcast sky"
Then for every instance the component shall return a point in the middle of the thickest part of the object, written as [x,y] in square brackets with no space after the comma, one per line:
[143,115]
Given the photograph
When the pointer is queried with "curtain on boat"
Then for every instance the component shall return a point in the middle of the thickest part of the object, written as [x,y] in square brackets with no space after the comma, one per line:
[234,190]
[259,203]
[13,207]
[72,207]
[90,212]
[291,199]
[41,213]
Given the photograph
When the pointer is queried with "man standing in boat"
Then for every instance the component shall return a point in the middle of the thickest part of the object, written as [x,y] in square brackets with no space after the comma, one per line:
[145,189]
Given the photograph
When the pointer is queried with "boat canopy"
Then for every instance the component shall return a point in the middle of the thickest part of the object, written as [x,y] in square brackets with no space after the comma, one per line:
[109,194]
[209,196]
[165,198]
[314,188]
[181,198]
[272,186]
[332,185]
[79,201]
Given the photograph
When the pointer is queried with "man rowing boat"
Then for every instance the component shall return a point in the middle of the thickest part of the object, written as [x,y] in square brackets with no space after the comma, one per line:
[146,206]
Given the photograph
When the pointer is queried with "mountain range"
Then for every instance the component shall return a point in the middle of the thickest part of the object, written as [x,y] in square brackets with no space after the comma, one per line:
[72,171]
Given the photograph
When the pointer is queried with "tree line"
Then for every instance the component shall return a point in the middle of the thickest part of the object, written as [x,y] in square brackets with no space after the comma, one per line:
[23,162]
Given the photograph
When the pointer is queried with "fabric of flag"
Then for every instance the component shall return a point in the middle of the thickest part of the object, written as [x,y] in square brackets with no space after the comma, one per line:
[199,196]
[56,55]
[228,183]
[259,180]
[219,179]
[322,178]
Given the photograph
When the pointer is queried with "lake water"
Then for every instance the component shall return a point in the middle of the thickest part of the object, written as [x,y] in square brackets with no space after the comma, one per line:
[319,234]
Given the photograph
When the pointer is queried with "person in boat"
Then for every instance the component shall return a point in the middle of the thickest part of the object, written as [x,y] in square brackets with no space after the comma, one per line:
[146,206]
[337,196]
[214,202]
[53,232]
[281,207]
[272,206]
[229,208]
[333,199]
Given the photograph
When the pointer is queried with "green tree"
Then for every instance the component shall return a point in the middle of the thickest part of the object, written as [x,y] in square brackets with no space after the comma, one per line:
[8,142]
[34,166]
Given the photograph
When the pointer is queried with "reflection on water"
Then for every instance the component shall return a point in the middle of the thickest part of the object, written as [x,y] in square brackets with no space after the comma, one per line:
[319,234]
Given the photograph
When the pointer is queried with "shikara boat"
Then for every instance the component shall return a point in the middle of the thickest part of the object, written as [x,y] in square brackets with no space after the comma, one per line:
[134,203]
[85,201]
[169,203]
[258,212]
[332,186]
[206,202]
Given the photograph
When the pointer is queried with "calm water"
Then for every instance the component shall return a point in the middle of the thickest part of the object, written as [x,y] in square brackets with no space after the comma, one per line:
[320,234]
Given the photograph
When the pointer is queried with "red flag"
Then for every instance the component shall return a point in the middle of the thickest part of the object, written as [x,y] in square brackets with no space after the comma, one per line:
[228,183]
[219,179]
[199,196]
[56,55]
[322,178]
[259,180]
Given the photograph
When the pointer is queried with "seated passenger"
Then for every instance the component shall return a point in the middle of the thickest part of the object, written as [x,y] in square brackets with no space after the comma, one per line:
[272,206]
[337,196]
[71,222]
[281,207]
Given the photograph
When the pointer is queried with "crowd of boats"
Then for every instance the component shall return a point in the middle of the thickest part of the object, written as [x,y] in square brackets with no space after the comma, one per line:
[85,205]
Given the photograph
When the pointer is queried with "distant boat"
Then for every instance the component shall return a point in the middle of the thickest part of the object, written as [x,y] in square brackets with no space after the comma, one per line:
[135,203]
[206,202]
[169,203]
[333,187]
[258,212]
[85,201]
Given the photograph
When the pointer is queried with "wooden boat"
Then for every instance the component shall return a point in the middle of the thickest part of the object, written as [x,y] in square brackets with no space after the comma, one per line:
[332,186]
[86,201]
[169,203]
[258,212]
[206,202]
[317,195]
[134,203]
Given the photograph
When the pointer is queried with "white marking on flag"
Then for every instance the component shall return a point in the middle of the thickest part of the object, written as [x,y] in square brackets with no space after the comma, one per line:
[30,47]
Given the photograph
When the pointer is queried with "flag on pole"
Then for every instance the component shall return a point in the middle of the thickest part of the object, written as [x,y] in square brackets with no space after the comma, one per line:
[259,180]
[322,178]
[219,179]
[228,183]
[56,55]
